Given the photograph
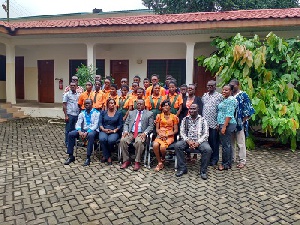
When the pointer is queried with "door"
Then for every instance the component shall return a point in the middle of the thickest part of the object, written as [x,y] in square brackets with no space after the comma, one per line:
[46,81]
[19,80]
[201,77]
[119,69]
[73,65]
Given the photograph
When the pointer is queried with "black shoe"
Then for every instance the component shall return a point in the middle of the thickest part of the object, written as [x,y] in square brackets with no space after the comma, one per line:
[109,163]
[213,164]
[180,173]
[87,162]
[69,160]
[203,176]
[103,160]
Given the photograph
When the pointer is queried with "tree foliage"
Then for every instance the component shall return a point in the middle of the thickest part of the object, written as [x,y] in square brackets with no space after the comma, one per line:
[185,6]
[85,74]
[269,72]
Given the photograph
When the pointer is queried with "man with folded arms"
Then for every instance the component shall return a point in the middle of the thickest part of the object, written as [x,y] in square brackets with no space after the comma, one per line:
[138,124]
[194,132]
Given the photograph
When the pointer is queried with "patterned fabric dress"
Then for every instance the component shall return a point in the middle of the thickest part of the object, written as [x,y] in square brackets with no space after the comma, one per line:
[244,109]
[166,125]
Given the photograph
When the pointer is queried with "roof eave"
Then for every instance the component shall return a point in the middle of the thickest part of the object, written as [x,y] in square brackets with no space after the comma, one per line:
[207,25]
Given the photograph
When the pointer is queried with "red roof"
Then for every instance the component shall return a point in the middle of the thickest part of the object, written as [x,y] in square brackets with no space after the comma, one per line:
[160,19]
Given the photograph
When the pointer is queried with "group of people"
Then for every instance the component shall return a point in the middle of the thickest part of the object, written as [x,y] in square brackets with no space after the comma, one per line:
[132,113]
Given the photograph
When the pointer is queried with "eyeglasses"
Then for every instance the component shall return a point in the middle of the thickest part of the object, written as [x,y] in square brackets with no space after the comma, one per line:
[75,79]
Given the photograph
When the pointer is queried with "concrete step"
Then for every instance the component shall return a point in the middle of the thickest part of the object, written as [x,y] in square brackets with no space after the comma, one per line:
[6,115]
[5,105]
[2,120]
[19,114]
[12,110]
[8,112]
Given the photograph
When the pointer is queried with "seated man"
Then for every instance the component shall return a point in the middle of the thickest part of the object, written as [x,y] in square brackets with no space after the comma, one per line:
[194,132]
[138,124]
[86,127]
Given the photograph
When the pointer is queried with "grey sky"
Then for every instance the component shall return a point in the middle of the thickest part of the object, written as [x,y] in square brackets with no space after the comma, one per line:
[20,8]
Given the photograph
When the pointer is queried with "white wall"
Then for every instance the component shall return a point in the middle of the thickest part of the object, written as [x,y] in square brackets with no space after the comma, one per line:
[134,52]
[2,49]
[60,54]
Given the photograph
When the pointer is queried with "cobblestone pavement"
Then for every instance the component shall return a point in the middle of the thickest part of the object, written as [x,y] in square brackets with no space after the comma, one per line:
[36,188]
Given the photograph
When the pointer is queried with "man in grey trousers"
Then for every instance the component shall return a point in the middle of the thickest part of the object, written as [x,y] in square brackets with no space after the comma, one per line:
[194,133]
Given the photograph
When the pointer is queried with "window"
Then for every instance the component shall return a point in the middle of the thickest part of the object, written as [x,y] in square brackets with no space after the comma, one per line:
[100,65]
[75,63]
[2,68]
[163,67]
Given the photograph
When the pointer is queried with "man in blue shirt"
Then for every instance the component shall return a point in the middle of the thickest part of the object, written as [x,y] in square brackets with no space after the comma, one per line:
[86,128]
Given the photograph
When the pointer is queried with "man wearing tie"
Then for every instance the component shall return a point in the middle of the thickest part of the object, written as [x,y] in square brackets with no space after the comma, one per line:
[138,124]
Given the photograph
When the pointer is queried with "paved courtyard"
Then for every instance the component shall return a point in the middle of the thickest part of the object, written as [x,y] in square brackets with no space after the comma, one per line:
[36,188]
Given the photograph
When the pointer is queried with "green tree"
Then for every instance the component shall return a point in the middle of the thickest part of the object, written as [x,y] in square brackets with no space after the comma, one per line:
[185,6]
[268,71]
[85,74]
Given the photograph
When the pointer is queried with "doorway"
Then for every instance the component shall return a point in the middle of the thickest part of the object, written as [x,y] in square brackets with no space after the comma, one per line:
[46,81]
[19,80]
[201,77]
[119,69]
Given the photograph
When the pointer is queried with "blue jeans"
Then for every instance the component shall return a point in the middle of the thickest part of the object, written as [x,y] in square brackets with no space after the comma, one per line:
[107,142]
[226,144]
[72,138]
[70,125]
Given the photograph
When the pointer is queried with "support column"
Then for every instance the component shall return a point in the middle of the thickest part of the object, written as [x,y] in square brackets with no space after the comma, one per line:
[91,55]
[189,62]
[10,74]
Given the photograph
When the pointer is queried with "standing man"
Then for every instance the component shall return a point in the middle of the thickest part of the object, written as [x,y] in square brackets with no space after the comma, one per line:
[78,88]
[98,99]
[71,110]
[194,132]
[88,94]
[244,112]
[86,128]
[137,79]
[211,100]
[138,124]
[97,78]
[124,81]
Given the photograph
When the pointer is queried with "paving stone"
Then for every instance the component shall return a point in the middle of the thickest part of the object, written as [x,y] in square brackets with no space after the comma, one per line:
[36,188]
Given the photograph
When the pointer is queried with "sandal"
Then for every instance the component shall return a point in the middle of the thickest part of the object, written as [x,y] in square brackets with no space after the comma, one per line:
[159,167]
[194,159]
[221,167]
[240,165]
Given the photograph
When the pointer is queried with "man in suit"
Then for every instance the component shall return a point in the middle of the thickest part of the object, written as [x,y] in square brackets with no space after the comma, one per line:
[138,124]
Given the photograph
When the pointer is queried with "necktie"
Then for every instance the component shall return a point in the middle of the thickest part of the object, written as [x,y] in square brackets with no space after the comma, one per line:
[95,97]
[136,127]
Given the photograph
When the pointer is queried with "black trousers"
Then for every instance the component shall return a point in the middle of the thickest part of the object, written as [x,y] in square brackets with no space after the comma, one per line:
[214,143]
[204,149]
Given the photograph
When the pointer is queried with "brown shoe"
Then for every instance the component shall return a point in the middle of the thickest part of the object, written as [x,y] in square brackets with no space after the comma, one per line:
[137,166]
[125,165]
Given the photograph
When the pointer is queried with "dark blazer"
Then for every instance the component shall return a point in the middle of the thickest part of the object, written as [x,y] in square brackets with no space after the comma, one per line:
[185,110]
[147,121]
